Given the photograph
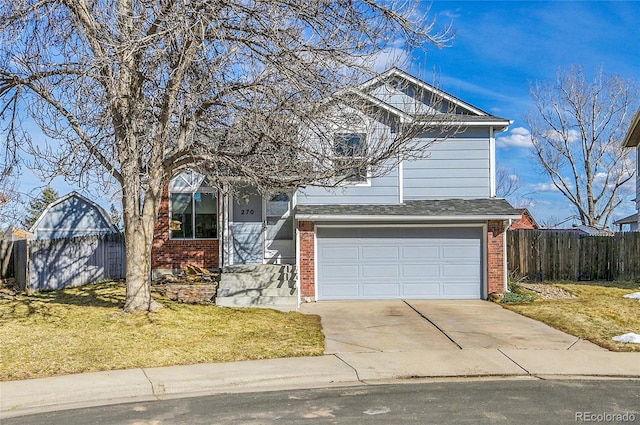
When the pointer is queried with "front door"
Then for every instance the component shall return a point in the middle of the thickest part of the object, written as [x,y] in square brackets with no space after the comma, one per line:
[247,227]
[279,244]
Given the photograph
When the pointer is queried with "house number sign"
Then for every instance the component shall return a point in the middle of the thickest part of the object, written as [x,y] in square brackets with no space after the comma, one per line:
[248,208]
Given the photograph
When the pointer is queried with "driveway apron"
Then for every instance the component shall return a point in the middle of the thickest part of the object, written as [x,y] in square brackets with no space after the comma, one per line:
[375,326]
[433,325]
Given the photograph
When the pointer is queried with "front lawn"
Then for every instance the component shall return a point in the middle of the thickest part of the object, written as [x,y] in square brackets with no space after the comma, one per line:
[598,313]
[84,329]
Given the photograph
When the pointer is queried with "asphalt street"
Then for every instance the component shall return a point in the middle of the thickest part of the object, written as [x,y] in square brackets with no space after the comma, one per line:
[518,401]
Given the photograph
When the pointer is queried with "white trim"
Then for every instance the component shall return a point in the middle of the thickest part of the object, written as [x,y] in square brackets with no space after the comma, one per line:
[298,268]
[402,218]
[504,256]
[395,226]
[401,182]
[484,290]
[84,229]
[223,218]
[492,163]
[315,262]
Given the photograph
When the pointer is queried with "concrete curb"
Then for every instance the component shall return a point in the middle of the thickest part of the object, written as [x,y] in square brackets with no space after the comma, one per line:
[18,398]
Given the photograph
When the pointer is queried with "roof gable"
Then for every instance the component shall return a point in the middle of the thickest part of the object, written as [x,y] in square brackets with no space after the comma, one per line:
[410,99]
[395,79]
[633,135]
[84,210]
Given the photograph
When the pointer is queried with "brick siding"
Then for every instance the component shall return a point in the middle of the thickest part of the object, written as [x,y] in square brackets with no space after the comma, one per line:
[524,222]
[495,262]
[174,254]
[307,270]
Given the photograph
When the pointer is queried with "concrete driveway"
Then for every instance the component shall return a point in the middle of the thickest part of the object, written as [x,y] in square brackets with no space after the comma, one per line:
[426,325]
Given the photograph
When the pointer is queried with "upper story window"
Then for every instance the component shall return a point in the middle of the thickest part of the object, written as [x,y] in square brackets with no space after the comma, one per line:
[193,206]
[350,148]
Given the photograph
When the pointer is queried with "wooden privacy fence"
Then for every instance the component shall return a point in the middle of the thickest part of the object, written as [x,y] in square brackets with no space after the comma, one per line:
[564,255]
[6,259]
[49,264]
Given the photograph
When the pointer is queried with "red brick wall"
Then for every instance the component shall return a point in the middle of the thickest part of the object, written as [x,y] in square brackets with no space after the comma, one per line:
[523,223]
[175,254]
[495,248]
[307,270]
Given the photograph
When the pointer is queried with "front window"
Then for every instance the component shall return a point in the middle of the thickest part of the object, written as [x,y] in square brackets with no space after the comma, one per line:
[193,207]
[350,150]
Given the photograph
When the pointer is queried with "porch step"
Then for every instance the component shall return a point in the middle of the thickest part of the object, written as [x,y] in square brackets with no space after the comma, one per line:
[268,286]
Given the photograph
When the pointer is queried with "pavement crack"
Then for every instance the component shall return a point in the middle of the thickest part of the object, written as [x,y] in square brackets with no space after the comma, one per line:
[353,368]
[574,343]
[514,362]
[153,388]
[430,321]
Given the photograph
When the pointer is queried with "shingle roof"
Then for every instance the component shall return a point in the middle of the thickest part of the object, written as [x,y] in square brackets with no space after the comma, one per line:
[454,209]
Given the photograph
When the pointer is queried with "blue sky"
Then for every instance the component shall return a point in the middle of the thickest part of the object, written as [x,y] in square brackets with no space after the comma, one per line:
[499,49]
[502,47]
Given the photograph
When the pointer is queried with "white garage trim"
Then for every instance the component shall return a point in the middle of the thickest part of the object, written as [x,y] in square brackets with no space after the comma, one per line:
[482,249]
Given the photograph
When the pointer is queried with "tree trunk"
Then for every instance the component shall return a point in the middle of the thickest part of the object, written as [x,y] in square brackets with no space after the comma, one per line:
[139,228]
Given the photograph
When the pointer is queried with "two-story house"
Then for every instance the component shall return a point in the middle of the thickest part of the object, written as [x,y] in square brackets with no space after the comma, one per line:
[632,140]
[430,228]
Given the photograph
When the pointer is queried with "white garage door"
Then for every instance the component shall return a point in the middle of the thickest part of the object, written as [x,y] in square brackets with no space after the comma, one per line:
[392,263]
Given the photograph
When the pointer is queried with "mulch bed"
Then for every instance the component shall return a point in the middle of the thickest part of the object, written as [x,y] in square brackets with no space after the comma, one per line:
[549,292]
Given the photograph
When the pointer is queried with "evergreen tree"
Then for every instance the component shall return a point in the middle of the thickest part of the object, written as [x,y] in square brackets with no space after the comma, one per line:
[38,205]
[116,217]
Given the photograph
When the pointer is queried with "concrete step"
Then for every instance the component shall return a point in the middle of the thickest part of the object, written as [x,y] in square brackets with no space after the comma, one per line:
[260,269]
[256,292]
[265,285]
[245,281]
[277,303]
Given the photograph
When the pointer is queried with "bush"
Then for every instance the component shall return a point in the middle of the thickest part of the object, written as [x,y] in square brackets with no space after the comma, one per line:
[517,297]
[516,293]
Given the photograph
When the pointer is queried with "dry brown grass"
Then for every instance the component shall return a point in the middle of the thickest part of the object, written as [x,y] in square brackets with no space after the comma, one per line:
[597,314]
[84,329]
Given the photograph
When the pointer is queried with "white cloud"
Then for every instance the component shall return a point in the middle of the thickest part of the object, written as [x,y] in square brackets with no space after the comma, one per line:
[572,135]
[518,137]
[543,187]
[387,58]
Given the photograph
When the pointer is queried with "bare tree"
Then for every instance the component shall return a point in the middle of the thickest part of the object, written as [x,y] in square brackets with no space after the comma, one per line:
[137,90]
[507,183]
[577,130]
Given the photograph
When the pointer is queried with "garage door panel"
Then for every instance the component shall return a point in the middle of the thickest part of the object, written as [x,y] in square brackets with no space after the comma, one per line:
[380,271]
[420,270]
[380,252]
[340,253]
[459,270]
[416,251]
[409,262]
[426,290]
[340,272]
[339,291]
[458,289]
[381,290]
[459,251]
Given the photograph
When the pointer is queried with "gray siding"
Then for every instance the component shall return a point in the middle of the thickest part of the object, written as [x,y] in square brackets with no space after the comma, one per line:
[638,184]
[383,190]
[53,264]
[454,168]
